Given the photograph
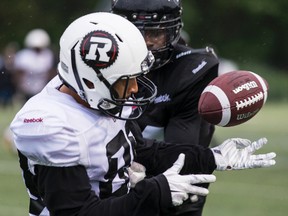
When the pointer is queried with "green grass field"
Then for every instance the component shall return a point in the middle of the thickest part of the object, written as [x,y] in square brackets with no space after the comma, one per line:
[261,192]
[257,192]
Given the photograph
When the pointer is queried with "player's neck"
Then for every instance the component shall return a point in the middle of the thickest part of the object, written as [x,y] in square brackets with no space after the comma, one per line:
[66,90]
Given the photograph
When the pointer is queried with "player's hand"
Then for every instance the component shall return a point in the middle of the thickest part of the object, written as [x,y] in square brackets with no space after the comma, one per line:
[137,172]
[181,186]
[237,153]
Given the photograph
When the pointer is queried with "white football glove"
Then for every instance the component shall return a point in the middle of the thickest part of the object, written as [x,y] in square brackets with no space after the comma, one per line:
[181,186]
[136,172]
[237,153]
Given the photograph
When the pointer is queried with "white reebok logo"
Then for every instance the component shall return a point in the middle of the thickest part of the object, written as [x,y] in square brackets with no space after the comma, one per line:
[200,66]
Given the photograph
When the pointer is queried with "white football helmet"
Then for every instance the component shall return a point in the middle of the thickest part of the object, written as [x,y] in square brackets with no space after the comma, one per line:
[37,38]
[101,48]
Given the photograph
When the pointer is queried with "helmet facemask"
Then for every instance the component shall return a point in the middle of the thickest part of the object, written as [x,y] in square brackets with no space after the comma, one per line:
[165,32]
[131,106]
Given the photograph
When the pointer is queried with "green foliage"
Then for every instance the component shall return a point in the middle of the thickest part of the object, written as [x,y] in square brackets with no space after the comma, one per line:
[251,33]
[19,17]
[240,30]
[245,31]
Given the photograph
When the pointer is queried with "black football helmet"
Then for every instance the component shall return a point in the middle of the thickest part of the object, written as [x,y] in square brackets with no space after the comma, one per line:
[154,17]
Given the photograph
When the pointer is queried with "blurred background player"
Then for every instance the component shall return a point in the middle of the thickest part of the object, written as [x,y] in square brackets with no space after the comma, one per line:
[7,84]
[26,72]
[7,91]
[34,65]
[180,74]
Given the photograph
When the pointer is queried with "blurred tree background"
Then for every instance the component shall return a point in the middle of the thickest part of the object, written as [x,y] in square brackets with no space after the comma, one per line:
[243,30]
[251,32]
[18,17]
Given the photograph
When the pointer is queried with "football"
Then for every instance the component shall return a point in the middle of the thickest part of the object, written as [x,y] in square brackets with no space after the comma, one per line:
[233,98]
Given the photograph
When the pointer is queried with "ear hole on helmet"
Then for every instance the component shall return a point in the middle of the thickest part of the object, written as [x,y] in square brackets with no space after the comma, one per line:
[88,83]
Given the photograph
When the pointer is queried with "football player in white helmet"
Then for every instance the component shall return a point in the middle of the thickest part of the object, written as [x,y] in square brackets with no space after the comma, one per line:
[91,64]
[75,149]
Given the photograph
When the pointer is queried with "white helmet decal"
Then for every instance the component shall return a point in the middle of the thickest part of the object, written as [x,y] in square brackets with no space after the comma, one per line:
[99,49]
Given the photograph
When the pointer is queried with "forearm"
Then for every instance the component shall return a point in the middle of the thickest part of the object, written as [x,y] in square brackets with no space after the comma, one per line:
[70,193]
[149,197]
[160,156]
[157,157]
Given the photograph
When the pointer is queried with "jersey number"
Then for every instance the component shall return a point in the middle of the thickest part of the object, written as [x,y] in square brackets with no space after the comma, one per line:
[111,149]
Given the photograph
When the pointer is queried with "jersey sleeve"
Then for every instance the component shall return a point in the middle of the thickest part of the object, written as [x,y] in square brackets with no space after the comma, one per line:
[157,156]
[66,191]
[35,130]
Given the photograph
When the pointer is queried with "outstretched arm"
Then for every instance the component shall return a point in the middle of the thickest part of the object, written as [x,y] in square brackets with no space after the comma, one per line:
[234,153]
[67,191]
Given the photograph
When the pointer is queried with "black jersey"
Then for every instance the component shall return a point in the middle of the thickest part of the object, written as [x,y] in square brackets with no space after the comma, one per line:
[173,116]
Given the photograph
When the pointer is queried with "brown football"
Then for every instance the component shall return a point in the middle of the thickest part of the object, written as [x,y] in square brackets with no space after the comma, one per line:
[233,98]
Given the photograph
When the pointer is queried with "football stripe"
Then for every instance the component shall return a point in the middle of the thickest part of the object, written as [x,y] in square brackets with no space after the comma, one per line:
[225,104]
[264,87]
